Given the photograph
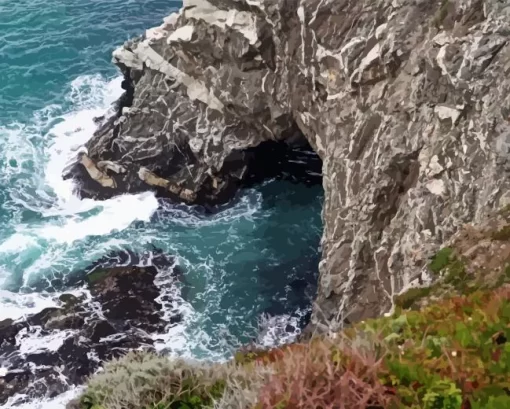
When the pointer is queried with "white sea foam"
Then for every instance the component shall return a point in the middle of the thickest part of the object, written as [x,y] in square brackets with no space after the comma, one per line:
[117,214]
[91,97]
[30,341]
[245,208]
[58,402]
[174,337]
[16,305]
[47,146]
[17,242]
[274,329]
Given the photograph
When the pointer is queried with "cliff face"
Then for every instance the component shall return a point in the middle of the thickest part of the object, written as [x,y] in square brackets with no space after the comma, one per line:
[407,102]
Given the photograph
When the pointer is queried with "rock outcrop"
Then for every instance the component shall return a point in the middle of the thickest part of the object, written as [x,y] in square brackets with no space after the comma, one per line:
[46,353]
[407,102]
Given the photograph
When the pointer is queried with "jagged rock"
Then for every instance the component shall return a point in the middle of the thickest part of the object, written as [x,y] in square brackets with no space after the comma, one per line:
[69,299]
[13,382]
[65,321]
[406,102]
[96,174]
[74,339]
[98,329]
[127,296]
[28,383]
[8,330]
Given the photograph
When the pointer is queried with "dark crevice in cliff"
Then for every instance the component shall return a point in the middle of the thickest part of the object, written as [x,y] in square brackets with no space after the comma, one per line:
[279,160]
[402,173]
[126,99]
[292,160]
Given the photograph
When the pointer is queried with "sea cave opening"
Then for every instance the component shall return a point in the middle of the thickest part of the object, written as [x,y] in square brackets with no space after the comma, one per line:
[275,271]
[251,262]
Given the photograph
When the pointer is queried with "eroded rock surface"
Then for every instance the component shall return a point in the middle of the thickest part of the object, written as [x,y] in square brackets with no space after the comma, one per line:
[407,102]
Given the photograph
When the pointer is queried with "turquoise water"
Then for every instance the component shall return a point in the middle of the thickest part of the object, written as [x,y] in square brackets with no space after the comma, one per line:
[55,77]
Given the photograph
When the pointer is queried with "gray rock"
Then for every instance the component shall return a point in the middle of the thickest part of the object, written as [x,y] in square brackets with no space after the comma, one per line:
[407,102]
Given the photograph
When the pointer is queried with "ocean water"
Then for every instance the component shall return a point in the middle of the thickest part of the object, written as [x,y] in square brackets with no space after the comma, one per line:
[239,264]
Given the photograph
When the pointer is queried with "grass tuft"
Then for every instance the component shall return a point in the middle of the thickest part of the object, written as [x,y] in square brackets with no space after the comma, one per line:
[441,260]
[410,297]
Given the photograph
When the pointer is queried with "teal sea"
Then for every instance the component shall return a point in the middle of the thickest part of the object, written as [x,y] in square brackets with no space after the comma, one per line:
[239,264]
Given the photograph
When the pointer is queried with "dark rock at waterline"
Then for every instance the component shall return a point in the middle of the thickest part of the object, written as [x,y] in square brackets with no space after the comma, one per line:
[269,160]
[74,354]
[70,316]
[52,385]
[13,382]
[118,344]
[154,257]
[66,321]
[74,338]
[98,329]
[44,381]
[6,323]
[44,316]
[8,331]
[69,299]
[127,296]
[125,257]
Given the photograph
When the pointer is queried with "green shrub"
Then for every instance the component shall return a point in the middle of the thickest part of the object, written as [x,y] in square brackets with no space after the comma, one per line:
[453,269]
[450,353]
[453,354]
[410,297]
[493,402]
[505,210]
[456,272]
[441,260]
[443,395]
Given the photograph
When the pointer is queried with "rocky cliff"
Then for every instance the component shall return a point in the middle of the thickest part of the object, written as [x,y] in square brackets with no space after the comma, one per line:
[407,102]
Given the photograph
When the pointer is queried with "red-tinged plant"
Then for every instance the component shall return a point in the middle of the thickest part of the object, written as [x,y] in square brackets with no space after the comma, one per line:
[277,354]
[255,355]
[322,376]
[466,404]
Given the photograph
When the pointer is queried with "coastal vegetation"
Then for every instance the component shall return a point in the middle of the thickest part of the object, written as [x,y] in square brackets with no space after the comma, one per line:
[446,346]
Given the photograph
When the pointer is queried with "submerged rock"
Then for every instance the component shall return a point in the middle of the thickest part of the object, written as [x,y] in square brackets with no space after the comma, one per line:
[406,102]
[47,352]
